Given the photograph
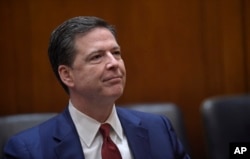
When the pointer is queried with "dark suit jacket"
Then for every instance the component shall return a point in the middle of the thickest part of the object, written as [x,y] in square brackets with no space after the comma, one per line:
[149,137]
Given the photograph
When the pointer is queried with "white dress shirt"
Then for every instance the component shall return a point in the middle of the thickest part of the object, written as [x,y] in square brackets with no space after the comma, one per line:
[90,137]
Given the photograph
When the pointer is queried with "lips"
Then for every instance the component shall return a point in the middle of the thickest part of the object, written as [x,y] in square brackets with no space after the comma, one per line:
[112,78]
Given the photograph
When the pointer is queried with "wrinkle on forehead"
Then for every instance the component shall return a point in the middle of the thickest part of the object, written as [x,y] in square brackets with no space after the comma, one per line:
[95,40]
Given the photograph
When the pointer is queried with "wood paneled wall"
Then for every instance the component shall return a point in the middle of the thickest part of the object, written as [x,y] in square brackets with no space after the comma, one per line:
[175,51]
[246,40]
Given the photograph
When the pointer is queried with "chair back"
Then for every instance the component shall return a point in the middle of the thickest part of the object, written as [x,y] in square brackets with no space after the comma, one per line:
[12,124]
[226,119]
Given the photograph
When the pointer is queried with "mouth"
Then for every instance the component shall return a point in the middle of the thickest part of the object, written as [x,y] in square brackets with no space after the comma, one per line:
[113,79]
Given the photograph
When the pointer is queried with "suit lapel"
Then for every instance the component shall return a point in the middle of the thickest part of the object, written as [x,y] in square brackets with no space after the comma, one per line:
[137,135]
[67,138]
[69,145]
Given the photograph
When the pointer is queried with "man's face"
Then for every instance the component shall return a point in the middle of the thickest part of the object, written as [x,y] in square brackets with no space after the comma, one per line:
[98,71]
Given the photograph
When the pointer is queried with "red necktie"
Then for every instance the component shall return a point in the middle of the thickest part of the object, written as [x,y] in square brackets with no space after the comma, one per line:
[109,149]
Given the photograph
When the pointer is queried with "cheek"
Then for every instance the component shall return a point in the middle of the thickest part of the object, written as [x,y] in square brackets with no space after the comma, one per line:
[123,72]
[122,67]
[81,76]
[86,81]
[88,75]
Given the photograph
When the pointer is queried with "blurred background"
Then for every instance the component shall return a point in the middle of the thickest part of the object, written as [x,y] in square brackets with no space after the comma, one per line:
[179,51]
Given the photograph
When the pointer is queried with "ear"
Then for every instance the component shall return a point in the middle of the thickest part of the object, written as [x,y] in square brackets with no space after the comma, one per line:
[65,75]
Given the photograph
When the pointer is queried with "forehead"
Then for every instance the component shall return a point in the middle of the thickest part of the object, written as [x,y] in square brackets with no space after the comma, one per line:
[97,37]
[95,34]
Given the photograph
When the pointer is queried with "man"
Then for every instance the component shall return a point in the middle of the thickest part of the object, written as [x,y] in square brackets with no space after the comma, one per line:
[86,59]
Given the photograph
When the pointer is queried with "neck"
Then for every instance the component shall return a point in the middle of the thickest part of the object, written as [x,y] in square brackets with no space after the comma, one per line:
[99,111]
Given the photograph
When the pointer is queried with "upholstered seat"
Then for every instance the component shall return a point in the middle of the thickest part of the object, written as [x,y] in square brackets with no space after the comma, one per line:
[226,119]
[10,125]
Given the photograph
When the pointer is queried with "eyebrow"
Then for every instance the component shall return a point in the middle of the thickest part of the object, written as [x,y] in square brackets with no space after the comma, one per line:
[101,50]
[116,47]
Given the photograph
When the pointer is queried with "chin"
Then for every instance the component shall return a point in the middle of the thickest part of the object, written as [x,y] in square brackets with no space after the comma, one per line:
[116,94]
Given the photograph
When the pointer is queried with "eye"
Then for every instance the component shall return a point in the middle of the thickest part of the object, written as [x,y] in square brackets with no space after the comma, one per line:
[95,58]
[117,53]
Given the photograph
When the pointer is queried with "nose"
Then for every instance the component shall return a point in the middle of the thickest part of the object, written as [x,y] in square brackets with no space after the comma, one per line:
[112,62]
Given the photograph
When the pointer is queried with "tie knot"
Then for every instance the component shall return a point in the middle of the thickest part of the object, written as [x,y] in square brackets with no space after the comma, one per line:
[105,129]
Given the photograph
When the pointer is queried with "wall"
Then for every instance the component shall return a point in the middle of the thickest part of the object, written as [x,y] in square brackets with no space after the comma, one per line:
[175,51]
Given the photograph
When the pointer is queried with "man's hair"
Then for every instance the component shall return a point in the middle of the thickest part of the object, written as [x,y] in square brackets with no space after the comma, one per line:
[61,48]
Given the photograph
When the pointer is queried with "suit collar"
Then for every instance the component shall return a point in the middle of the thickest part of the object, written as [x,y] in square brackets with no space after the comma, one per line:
[136,134]
[67,138]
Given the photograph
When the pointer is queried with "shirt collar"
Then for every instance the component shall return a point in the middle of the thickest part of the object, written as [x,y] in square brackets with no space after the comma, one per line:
[115,123]
[88,127]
